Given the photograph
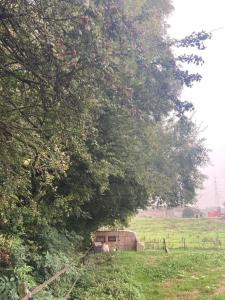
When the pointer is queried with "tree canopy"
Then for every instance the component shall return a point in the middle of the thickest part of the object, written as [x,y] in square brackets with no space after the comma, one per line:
[92,125]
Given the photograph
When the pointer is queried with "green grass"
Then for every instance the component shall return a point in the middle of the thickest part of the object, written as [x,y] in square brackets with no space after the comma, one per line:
[198,233]
[154,275]
[181,273]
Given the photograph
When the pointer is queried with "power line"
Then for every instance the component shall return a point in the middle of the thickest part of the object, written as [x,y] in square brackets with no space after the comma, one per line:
[217,29]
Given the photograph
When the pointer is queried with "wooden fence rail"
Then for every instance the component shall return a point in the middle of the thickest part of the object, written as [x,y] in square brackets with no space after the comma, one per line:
[26,294]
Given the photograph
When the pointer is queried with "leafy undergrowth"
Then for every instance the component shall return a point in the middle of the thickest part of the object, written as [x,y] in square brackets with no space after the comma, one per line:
[32,262]
[153,275]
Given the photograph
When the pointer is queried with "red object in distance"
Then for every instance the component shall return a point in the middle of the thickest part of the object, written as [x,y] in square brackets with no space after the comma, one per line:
[212,214]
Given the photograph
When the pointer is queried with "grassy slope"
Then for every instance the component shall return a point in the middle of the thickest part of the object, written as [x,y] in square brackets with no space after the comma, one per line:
[153,275]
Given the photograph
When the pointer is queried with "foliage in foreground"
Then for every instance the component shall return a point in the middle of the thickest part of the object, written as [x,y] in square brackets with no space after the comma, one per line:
[32,263]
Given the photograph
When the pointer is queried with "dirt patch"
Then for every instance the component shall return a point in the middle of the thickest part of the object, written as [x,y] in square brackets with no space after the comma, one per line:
[166,284]
[219,291]
[188,295]
[154,260]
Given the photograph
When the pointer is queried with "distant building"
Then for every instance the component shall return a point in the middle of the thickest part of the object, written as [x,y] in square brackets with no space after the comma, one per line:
[215,211]
[176,212]
[162,212]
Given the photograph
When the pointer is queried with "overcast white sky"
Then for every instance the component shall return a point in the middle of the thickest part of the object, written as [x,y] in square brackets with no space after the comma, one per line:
[209,95]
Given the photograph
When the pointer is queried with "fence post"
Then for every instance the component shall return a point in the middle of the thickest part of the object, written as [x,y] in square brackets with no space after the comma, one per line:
[24,292]
[184,241]
[165,246]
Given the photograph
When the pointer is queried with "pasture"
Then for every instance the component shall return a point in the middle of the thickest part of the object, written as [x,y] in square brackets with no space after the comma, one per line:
[191,233]
[183,274]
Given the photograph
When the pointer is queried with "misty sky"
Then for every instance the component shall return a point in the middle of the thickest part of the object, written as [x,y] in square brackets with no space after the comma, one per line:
[209,95]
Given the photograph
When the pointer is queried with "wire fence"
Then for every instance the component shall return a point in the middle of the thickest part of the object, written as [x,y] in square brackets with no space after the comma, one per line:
[151,244]
[184,243]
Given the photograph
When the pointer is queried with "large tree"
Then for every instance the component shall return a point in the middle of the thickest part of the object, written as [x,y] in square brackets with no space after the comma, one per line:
[92,126]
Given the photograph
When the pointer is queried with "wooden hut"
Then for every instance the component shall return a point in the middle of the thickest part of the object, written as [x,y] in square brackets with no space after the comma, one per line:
[118,240]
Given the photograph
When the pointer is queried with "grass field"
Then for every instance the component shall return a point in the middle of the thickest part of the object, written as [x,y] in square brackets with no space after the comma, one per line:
[180,232]
[183,274]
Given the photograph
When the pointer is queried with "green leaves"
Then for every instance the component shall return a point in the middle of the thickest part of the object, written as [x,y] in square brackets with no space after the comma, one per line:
[92,127]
